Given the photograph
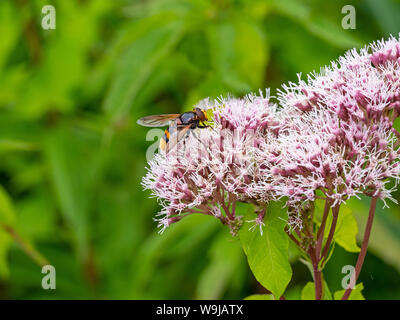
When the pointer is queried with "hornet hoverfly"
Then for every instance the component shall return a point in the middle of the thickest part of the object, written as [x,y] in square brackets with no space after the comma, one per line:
[179,125]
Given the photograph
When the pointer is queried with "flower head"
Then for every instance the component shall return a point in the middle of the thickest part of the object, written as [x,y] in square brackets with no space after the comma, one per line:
[362,85]
[341,139]
[318,155]
[331,137]
[213,168]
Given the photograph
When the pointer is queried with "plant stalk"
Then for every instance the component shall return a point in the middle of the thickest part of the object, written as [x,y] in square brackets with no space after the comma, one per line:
[317,274]
[320,234]
[26,247]
[335,214]
[364,246]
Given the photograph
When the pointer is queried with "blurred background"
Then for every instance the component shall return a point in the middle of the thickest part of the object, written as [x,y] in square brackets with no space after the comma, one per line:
[72,155]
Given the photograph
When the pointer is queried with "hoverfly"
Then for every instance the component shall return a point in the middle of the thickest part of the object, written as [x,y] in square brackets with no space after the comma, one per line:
[178,125]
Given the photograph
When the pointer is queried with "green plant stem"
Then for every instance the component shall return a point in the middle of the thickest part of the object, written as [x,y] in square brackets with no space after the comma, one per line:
[364,246]
[26,247]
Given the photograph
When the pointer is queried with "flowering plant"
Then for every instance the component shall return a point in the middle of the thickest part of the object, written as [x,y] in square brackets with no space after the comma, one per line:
[328,139]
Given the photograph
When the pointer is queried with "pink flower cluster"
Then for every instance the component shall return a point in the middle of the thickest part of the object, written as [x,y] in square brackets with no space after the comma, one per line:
[351,107]
[330,137]
[211,169]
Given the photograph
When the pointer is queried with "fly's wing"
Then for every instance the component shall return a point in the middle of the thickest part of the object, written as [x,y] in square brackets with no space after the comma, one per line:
[159,120]
[177,133]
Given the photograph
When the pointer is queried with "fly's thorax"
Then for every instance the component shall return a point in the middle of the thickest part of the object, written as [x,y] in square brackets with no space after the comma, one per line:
[188,117]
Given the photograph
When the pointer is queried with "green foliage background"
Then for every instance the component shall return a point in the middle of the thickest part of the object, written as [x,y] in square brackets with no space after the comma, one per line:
[72,156]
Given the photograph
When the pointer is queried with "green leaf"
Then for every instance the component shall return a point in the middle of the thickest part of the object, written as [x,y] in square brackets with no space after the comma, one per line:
[386,15]
[235,48]
[226,257]
[59,77]
[178,242]
[137,63]
[7,145]
[252,52]
[308,292]
[346,229]
[317,25]
[260,297]
[5,243]
[354,295]
[71,178]
[7,212]
[32,225]
[293,293]
[268,254]
[10,27]
[195,47]
[332,33]
[7,218]
[222,45]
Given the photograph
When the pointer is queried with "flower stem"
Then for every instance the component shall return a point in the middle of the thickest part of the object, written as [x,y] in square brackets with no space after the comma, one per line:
[26,247]
[314,243]
[320,234]
[364,246]
[318,284]
[317,274]
[335,213]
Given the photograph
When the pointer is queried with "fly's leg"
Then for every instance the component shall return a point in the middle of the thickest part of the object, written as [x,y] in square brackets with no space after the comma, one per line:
[198,139]
[203,126]
[185,137]
[190,131]
[195,136]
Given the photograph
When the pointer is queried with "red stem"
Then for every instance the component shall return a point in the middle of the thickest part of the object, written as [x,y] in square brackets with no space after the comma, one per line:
[317,274]
[320,235]
[335,213]
[364,246]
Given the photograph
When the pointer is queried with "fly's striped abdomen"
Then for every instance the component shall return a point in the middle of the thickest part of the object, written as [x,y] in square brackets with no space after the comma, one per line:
[164,140]
[166,136]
